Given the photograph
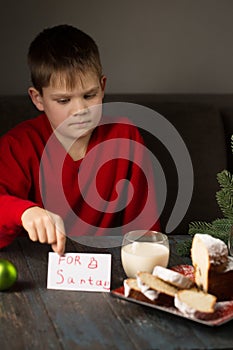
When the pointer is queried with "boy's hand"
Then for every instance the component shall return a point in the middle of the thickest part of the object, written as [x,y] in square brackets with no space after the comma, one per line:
[45,227]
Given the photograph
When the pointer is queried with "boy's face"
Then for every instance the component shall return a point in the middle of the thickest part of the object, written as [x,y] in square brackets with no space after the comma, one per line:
[72,112]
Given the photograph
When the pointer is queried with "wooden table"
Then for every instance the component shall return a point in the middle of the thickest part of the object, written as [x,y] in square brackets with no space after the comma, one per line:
[33,317]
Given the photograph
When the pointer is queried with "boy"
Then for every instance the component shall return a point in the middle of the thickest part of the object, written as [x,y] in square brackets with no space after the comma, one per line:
[41,159]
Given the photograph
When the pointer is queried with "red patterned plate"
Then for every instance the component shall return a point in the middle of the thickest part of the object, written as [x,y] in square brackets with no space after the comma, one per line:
[186,270]
[222,314]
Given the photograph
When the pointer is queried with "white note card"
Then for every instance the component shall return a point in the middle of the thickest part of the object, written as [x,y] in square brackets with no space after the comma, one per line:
[79,271]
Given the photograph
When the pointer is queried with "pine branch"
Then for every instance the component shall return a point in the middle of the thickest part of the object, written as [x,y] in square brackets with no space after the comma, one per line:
[232,144]
[221,228]
[222,225]
[224,197]
[199,227]
[225,180]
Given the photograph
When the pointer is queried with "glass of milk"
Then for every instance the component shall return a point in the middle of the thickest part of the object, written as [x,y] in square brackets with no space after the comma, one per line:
[142,250]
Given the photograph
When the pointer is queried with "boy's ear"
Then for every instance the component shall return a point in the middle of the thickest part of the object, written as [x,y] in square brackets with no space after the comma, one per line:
[103,83]
[36,98]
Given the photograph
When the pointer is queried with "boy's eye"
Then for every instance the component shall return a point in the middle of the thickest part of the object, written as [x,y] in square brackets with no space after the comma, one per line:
[63,100]
[89,96]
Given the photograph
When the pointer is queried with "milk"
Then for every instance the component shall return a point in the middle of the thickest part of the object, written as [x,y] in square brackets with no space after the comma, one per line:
[143,256]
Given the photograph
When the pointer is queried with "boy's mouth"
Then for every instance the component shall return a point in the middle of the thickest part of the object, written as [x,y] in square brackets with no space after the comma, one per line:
[81,123]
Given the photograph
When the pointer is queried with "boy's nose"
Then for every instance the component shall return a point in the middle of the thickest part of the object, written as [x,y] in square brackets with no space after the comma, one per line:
[79,108]
[80,112]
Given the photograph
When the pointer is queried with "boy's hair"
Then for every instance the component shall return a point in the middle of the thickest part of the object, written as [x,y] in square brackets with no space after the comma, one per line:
[62,50]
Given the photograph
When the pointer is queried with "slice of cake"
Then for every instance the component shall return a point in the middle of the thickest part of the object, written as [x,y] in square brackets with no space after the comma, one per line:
[130,284]
[132,290]
[172,277]
[213,268]
[195,303]
[163,292]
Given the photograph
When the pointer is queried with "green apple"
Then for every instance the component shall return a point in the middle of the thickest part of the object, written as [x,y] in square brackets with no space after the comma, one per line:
[8,274]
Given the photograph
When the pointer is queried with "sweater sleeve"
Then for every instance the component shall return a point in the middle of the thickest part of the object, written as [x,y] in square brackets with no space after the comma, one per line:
[15,185]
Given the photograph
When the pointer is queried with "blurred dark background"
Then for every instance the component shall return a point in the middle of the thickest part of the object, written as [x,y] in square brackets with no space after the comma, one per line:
[150,46]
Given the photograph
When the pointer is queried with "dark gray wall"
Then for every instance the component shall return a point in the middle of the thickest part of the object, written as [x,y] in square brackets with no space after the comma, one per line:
[158,46]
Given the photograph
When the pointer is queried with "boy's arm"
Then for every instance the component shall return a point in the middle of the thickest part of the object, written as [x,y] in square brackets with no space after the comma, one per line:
[15,186]
[41,225]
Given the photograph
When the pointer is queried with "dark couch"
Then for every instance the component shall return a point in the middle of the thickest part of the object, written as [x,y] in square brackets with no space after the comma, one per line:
[205,122]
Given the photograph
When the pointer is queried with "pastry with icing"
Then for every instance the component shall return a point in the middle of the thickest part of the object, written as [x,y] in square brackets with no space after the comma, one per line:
[163,292]
[213,268]
[172,277]
[195,303]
